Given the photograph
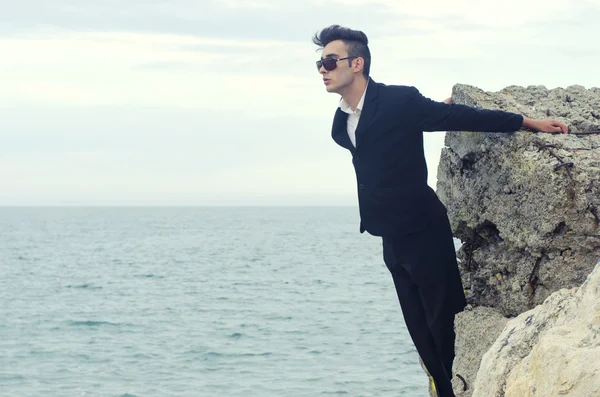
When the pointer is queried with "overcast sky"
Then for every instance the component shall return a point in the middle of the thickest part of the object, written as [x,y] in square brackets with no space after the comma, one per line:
[219,101]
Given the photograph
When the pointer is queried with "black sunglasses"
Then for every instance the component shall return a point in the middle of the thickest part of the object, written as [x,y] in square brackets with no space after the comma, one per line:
[330,63]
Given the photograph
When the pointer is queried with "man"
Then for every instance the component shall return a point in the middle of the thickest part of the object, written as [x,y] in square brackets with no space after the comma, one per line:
[382,126]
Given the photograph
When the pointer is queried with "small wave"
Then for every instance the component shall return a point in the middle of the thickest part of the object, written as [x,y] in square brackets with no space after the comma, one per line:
[281,317]
[255,354]
[92,323]
[215,354]
[236,335]
[146,355]
[84,286]
[11,377]
[195,351]
[127,395]
[149,275]
[295,332]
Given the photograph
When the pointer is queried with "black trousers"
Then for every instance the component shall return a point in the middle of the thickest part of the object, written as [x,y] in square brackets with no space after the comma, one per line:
[425,272]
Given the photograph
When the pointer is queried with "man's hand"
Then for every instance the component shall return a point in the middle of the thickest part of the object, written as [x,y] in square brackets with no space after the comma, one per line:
[547,125]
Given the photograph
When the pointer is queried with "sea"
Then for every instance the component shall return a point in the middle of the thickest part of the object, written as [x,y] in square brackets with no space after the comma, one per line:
[198,301]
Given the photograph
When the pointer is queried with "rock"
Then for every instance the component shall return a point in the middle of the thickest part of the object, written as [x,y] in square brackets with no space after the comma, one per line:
[476,330]
[551,350]
[529,228]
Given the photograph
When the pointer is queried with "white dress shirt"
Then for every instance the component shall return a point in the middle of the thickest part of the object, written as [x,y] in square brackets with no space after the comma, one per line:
[353,116]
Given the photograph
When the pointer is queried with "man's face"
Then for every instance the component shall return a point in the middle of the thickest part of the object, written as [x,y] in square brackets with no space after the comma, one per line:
[342,76]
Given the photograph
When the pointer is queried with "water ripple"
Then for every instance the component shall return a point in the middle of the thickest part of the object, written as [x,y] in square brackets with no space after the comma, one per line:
[92,323]
[198,302]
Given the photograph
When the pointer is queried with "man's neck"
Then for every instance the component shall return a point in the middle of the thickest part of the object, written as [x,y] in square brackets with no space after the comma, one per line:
[355,92]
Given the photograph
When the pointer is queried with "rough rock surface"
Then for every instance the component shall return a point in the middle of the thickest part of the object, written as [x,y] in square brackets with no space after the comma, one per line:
[476,330]
[529,229]
[551,350]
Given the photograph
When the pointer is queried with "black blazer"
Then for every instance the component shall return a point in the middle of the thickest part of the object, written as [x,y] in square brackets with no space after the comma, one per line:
[389,159]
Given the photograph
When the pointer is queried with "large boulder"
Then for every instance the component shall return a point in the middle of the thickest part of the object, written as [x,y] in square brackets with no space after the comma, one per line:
[530,226]
[526,207]
[551,350]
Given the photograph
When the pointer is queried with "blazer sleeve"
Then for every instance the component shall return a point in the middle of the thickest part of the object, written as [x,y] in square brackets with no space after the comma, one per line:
[430,115]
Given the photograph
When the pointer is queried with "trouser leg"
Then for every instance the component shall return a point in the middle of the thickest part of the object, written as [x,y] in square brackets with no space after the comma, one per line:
[416,322]
[423,266]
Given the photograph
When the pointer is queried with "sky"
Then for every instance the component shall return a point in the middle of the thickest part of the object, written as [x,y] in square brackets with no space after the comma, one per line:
[219,102]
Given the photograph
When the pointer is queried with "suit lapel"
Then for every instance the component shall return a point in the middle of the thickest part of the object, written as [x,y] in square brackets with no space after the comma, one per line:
[368,111]
[339,131]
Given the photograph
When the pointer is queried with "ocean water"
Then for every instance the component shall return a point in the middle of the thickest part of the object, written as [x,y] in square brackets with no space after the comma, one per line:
[198,301]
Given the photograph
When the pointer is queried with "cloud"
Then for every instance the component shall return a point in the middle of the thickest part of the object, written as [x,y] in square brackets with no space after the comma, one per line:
[495,14]
[88,69]
[220,101]
[284,20]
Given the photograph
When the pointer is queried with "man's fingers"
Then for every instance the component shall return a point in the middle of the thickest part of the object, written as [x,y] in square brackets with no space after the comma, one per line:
[564,128]
[560,127]
[557,126]
[554,128]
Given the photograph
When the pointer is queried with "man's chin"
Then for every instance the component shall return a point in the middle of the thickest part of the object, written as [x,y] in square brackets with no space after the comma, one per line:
[329,88]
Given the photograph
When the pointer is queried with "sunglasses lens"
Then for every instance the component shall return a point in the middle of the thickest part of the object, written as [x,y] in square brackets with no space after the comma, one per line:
[329,63]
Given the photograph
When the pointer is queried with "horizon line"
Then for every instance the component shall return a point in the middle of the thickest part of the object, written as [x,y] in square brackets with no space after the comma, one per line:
[176,205]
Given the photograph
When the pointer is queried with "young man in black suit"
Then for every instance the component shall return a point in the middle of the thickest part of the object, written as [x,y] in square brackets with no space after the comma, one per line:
[382,126]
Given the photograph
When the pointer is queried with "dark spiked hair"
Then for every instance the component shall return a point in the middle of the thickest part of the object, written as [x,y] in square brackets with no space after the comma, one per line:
[355,40]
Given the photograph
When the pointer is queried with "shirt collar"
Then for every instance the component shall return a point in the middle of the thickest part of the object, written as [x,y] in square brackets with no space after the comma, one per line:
[345,107]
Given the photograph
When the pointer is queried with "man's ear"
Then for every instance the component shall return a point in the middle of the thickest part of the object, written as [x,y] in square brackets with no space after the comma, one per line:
[359,65]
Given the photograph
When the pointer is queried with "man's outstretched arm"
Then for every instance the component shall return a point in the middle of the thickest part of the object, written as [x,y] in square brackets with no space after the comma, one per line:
[443,116]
